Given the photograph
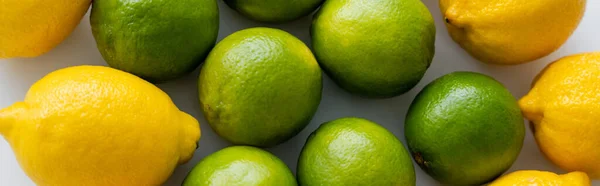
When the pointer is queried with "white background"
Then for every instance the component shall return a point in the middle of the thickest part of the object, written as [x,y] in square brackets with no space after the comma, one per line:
[16,75]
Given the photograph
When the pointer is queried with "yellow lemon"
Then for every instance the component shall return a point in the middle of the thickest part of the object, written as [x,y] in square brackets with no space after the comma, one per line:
[511,32]
[30,28]
[541,178]
[564,107]
[97,126]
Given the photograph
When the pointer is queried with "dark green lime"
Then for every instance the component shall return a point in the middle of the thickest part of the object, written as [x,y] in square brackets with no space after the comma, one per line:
[464,128]
[274,11]
[158,40]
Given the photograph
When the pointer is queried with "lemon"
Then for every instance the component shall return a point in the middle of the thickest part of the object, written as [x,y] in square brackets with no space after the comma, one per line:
[511,32]
[563,107]
[531,177]
[97,126]
[30,28]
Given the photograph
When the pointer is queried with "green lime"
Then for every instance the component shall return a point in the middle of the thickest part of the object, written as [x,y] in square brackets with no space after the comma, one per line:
[375,49]
[260,87]
[464,128]
[354,151]
[240,166]
[274,11]
[158,40]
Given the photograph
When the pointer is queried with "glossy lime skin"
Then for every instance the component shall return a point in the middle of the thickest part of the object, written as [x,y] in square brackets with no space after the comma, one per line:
[274,11]
[464,128]
[354,151]
[157,40]
[240,166]
[374,48]
[260,87]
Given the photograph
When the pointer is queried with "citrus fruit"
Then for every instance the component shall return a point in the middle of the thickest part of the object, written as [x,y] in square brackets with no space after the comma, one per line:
[563,108]
[274,11]
[33,27]
[511,32]
[157,40]
[97,126]
[240,166]
[354,151]
[531,177]
[259,87]
[464,128]
[375,49]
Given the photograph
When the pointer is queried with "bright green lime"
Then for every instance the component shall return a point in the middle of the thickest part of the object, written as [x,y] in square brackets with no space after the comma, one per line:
[240,166]
[260,87]
[354,151]
[275,11]
[158,40]
[464,128]
[374,48]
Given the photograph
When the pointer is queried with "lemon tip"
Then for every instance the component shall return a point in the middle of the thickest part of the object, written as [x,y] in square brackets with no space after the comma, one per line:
[6,122]
[8,117]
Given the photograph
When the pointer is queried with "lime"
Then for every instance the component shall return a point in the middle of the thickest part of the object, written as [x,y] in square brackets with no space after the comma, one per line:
[275,11]
[374,49]
[260,87]
[354,151]
[464,128]
[240,166]
[158,40]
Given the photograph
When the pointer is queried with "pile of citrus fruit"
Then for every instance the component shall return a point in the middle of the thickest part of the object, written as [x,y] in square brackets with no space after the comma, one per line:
[259,87]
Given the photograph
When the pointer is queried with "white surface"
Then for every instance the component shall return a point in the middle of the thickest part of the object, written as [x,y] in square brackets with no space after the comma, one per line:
[16,75]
